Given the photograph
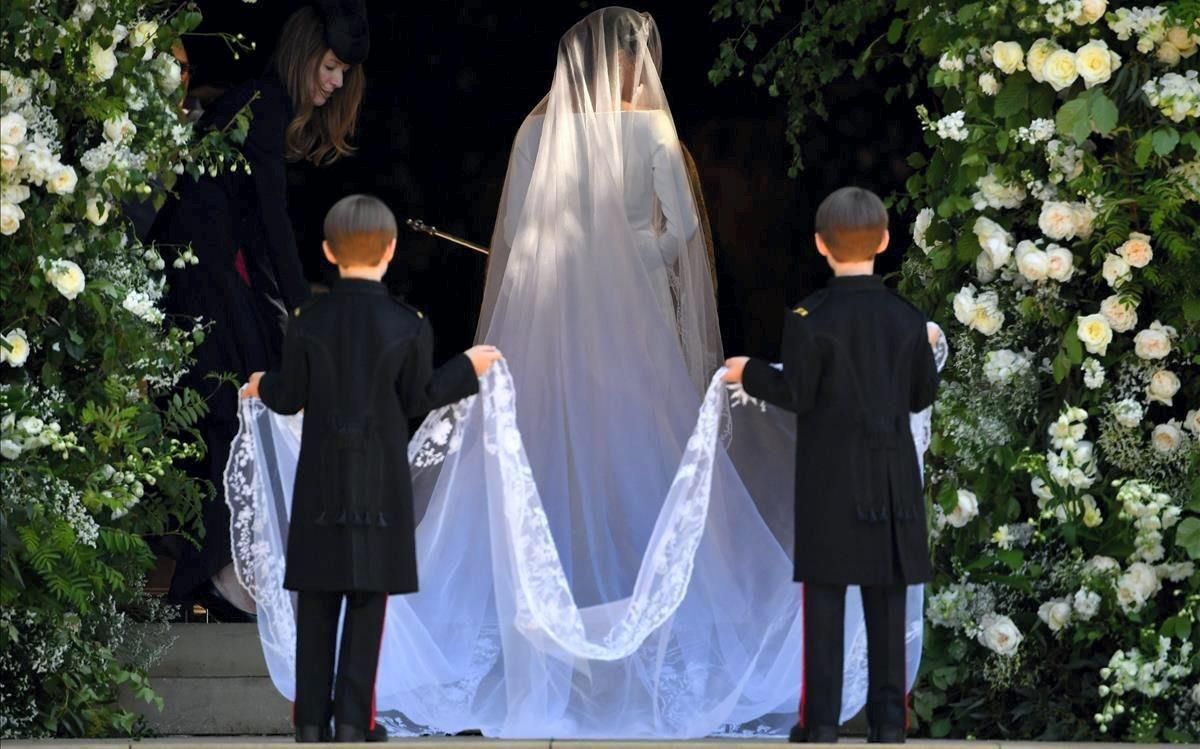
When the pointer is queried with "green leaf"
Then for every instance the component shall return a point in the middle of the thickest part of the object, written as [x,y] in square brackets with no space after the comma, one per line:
[1072,344]
[1165,139]
[1145,147]
[1014,97]
[1072,119]
[1061,367]
[916,160]
[1187,536]
[1191,310]
[1014,558]
[1002,141]
[1104,113]
[895,31]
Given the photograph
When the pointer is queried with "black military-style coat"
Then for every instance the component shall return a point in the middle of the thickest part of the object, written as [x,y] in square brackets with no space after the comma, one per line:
[856,362]
[360,365]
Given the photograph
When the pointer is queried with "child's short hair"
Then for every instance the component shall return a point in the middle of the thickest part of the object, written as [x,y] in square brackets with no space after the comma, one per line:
[851,222]
[358,229]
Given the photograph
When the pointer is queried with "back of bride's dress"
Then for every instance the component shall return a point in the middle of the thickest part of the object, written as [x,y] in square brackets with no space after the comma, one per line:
[604,572]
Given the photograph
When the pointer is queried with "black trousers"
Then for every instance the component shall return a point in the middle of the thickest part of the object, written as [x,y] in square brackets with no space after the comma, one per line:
[352,700]
[824,627]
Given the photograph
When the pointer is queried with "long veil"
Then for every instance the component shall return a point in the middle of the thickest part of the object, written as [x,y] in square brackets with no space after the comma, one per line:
[591,561]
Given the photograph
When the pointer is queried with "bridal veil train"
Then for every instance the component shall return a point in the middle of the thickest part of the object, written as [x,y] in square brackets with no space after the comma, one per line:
[591,560]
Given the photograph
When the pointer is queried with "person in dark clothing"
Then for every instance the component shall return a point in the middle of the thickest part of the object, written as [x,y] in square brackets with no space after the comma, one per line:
[249,272]
[857,359]
[359,363]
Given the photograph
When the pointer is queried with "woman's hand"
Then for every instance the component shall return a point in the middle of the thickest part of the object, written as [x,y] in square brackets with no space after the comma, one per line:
[736,367]
[250,389]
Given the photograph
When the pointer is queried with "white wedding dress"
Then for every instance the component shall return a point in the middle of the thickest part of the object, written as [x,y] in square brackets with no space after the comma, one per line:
[591,561]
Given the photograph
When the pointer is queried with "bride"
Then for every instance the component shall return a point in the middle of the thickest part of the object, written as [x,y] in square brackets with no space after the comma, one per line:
[592,564]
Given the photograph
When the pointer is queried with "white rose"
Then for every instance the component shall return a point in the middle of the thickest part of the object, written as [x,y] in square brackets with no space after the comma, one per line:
[67,277]
[994,239]
[1139,584]
[10,158]
[18,348]
[31,425]
[1192,422]
[1091,11]
[1032,263]
[984,268]
[1095,63]
[103,62]
[965,511]
[1121,316]
[1085,219]
[97,211]
[169,74]
[1095,332]
[988,84]
[10,218]
[1183,41]
[1101,565]
[1152,343]
[1164,384]
[1056,614]
[1167,438]
[1137,251]
[15,194]
[12,129]
[1008,56]
[1087,604]
[999,634]
[1116,271]
[10,449]
[1059,70]
[1061,263]
[920,227]
[987,317]
[1058,220]
[119,129]
[62,180]
[964,304]
[1168,54]
[1036,59]
[1128,413]
[143,34]
[37,161]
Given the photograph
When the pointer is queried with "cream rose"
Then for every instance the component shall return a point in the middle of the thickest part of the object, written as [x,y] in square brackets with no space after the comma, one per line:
[1164,384]
[1008,56]
[103,62]
[18,348]
[1091,11]
[985,270]
[1085,219]
[119,129]
[965,511]
[1152,343]
[1116,271]
[1035,60]
[1192,421]
[1167,437]
[1136,250]
[988,84]
[67,277]
[1121,317]
[1095,63]
[1095,332]
[994,240]
[143,34]
[998,634]
[10,218]
[10,449]
[1181,40]
[1032,263]
[1060,70]
[62,180]
[13,129]
[15,194]
[1057,220]
[10,158]
[1061,263]
[97,211]
[1168,54]
[1139,584]
[1056,613]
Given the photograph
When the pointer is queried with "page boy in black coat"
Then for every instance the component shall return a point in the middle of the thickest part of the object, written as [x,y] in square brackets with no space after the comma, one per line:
[359,363]
[857,360]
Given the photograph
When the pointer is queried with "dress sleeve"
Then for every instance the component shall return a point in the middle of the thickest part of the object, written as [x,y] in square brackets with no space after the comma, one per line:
[422,388]
[520,173]
[264,150]
[285,391]
[672,189]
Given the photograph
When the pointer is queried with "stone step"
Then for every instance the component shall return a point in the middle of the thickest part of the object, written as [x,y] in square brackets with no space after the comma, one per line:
[212,650]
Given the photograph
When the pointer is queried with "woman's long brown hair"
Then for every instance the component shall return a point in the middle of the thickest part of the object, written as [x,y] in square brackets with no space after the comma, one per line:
[317,134]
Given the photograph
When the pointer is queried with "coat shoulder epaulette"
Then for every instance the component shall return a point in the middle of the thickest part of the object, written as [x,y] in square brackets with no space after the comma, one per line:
[408,308]
[810,303]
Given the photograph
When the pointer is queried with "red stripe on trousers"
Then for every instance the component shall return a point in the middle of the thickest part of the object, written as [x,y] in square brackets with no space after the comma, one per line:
[239,264]
[803,653]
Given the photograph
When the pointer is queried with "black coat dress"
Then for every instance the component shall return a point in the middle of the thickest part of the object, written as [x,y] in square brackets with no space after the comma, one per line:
[218,216]
[856,362]
[360,365]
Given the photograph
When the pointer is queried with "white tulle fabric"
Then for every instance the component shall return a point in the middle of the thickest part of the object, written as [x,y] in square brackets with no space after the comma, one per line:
[594,560]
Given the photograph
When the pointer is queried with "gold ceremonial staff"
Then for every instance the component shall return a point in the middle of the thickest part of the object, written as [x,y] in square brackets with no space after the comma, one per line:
[421,226]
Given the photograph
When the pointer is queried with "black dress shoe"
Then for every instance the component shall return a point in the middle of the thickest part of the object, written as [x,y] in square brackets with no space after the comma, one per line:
[377,734]
[350,735]
[886,735]
[313,734]
[813,734]
[219,608]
